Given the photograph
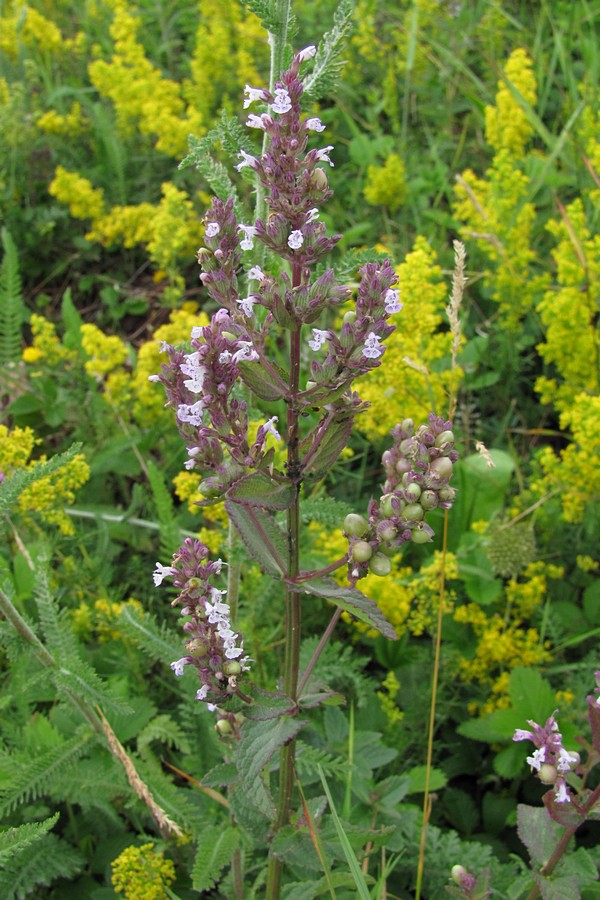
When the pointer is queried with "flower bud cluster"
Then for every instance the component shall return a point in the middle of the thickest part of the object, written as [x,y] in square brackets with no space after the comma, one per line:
[212,646]
[418,469]
[550,760]
[212,422]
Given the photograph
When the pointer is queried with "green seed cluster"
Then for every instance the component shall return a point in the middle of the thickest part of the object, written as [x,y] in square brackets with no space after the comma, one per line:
[511,549]
[418,468]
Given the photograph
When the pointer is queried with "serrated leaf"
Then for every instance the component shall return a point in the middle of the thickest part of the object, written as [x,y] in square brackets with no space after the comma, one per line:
[417,775]
[530,694]
[268,705]
[221,776]
[13,840]
[538,832]
[258,489]
[333,440]
[212,855]
[259,741]
[351,600]
[263,382]
[262,537]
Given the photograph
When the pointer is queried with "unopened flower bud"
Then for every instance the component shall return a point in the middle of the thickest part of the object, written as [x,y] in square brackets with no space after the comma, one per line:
[319,179]
[350,316]
[361,552]
[458,874]
[380,565]
[408,427]
[355,525]
[310,385]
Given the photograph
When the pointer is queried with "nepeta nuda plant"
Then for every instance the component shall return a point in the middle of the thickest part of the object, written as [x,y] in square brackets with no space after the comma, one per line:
[317,388]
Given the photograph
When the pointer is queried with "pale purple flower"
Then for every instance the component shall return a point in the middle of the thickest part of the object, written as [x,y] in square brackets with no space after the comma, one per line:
[179,665]
[247,160]
[256,274]
[550,759]
[312,215]
[307,53]
[282,102]
[162,572]
[269,428]
[373,347]
[392,301]
[247,243]
[319,338]
[191,413]
[253,94]
[212,229]
[254,121]
[202,692]
[245,353]
[322,155]
[224,357]
[295,240]
[197,332]
[196,372]
[246,305]
[314,124]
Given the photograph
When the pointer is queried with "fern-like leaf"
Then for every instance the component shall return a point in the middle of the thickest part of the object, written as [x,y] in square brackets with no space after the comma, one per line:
[170,533]
[214,852]
[166,731]
[157,642]
[38,866]
[35,778]
[325,510]
[328,62]
[15,840]
[309,759]
[215,173]
[15,484]
[265,10]
[12,305]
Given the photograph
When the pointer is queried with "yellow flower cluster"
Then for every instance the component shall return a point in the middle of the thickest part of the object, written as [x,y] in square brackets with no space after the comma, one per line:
[494,209]
[101,619]
[25,26]
[569,313]
[104,352]
[387,698]
[403,385]
[71,124]
[386,185]
[506,124]
[83,199]
[525,596]
[47,496]
[142,873]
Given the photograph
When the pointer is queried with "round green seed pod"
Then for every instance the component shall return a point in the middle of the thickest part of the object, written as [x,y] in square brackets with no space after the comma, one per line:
[408,427]
[380,565]
[413,491]
[388,533]
[446,437]
[197,648]
[229,336]
[310,385]
[548,774]
[414,512]
[223,726]
[420,536]
[350,316]
[385,505]
[442,466]
[428,500]
[387,550]
[232,667]
[361,552]
[458,873]
[355,525]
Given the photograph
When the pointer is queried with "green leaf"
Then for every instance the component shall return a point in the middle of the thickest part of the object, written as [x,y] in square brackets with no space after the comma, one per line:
[15,484]
[12,305]
[214,851]
[332,437]
[351,600]
[538,832]
[268,705]
[13,840]
[359,879]
[258,489]
[259,741]
[262,537]
[531,695]
[158,642]
[417,775]
[38,866]
[267,384]
[328,63]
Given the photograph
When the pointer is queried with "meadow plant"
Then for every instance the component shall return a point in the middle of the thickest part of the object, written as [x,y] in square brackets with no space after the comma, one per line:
[207,387]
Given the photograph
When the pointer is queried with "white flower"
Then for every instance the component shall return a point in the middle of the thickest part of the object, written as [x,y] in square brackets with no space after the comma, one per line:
[162,572]
[256,274]
[537,760]
[249,231]
[254,121]
[179,665]
[282,102]
[153,377]
[561,795]
[246,305]
[245,352]
[212,229]
[314,124]
[197,332]
[392,301]
[254,94]
[312,215]
[269,428]
[224,357]
[566,760]
[234,652]
[373,346]
[295,240]
[247,160]
[319,338]
[191,413]
[218,565]
[322,154]
[196,372]
[202,692]
[307,53]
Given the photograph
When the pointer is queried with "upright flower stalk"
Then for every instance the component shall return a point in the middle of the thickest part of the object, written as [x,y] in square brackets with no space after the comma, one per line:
[212,418]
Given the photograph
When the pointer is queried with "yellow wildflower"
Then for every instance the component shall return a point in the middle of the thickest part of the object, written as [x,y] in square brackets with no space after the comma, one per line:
[386,185]
[105,352]
[141,873]
[506,123]
[83,199]
[71,124]
[46,346]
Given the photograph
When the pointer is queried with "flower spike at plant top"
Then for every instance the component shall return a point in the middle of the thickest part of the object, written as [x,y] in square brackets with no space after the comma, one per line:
[550,760]
[212,646]
[418,469]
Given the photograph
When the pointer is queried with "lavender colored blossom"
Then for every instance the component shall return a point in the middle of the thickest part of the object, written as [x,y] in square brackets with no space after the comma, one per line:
[314,124]
[550,760]
[392,301]
[295,240]
[247,160]
[318,339]
[162,572]
[256,274]
[373,347]
[322,155]
[212,229]
[247,243]
[282,103]
[254,121]
[254,94]
[246,305]
[307,53]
